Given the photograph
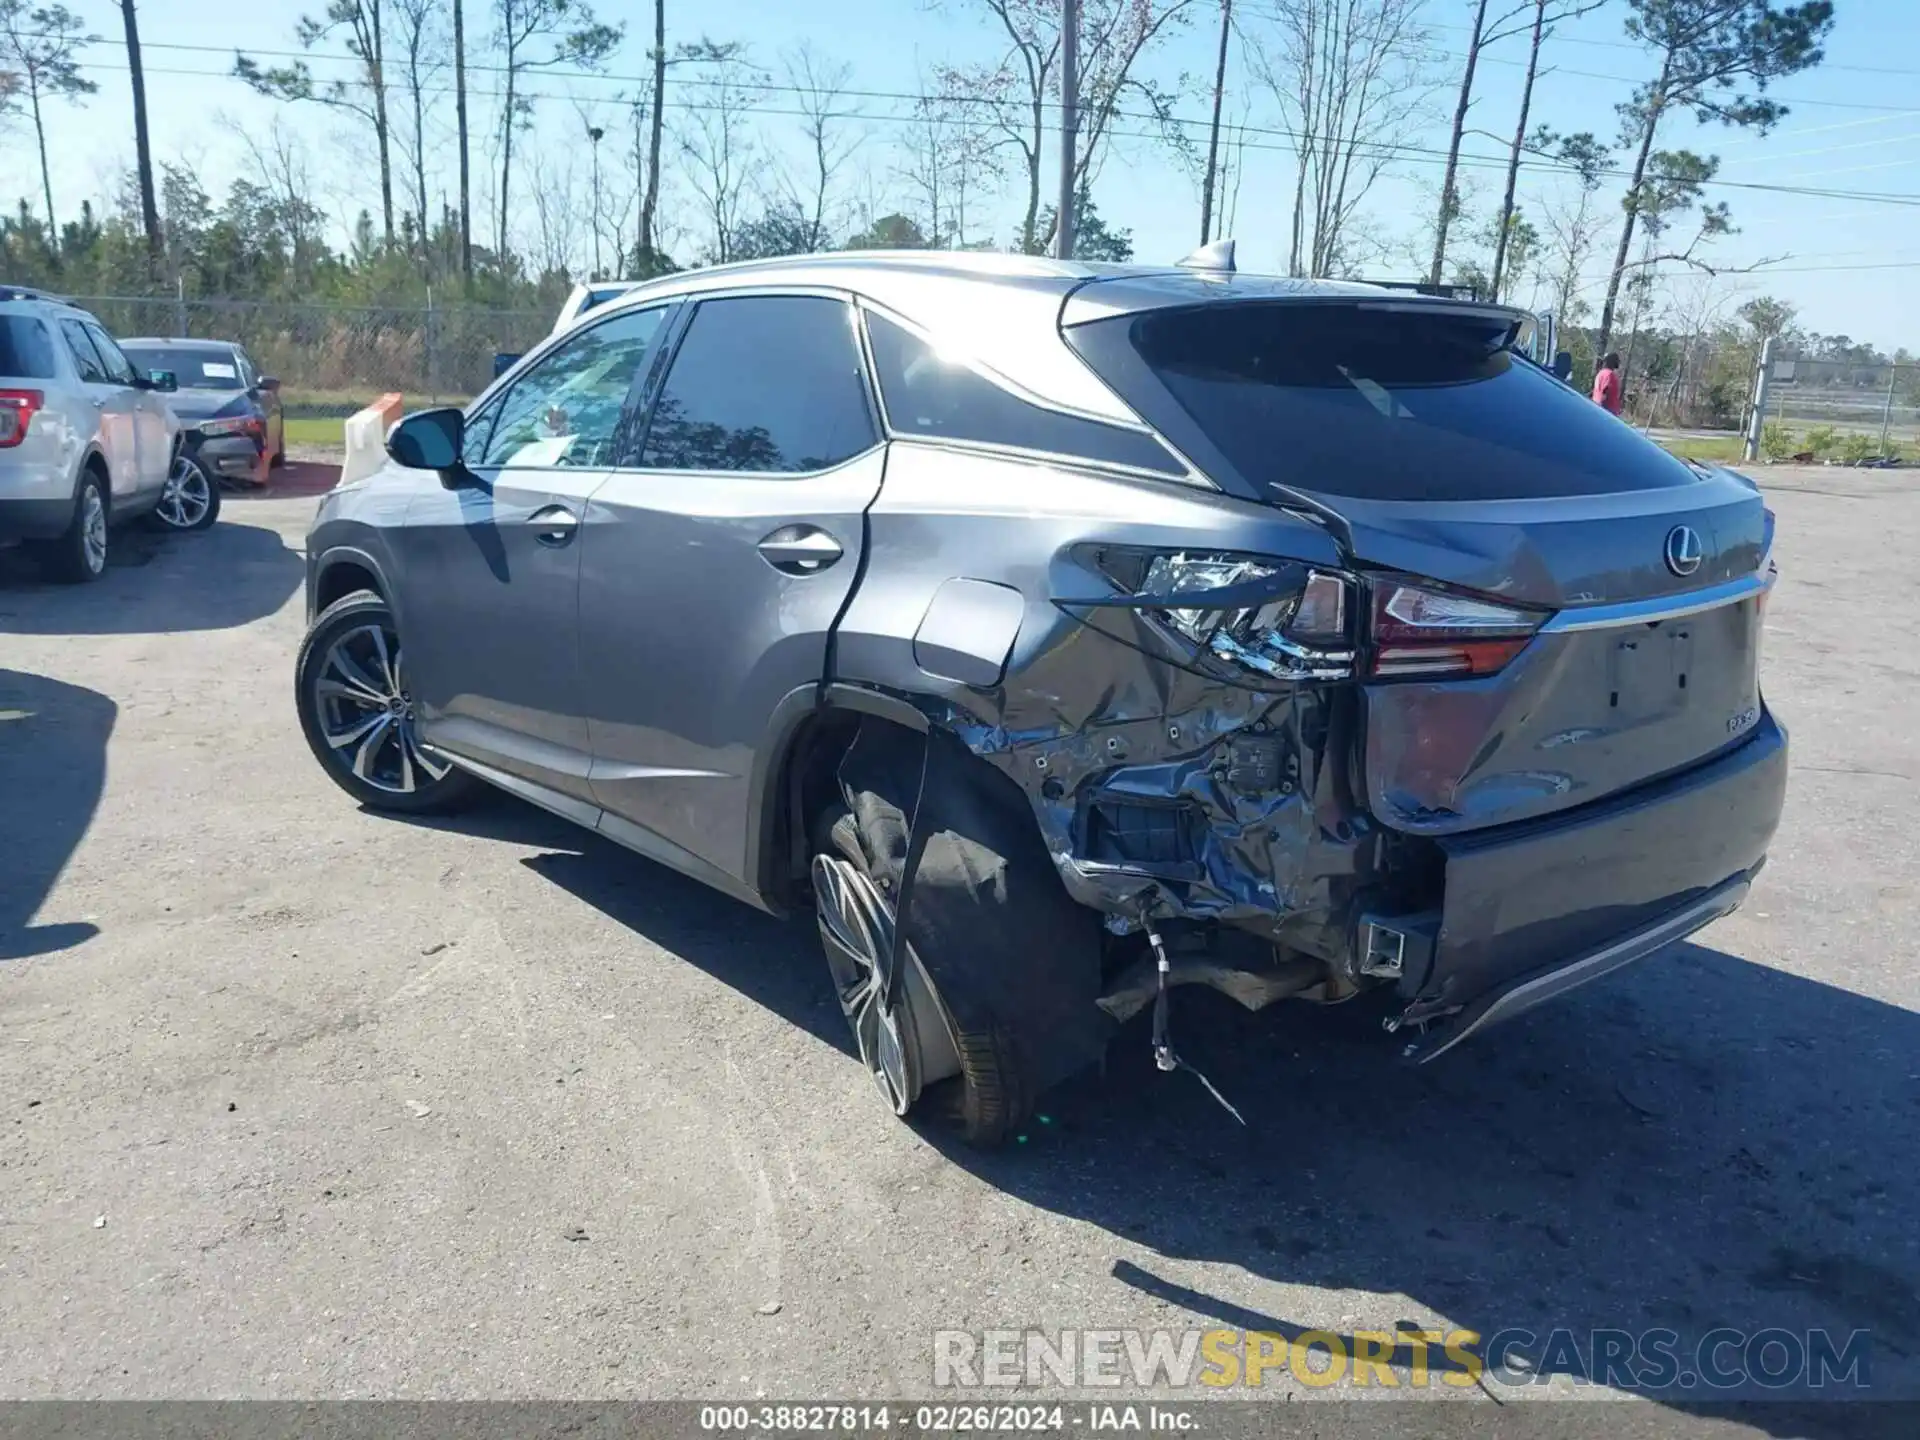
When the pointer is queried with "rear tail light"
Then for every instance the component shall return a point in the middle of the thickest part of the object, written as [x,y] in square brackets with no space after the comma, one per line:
[1242,618]
[17,409]
[252,426]
[1422,632]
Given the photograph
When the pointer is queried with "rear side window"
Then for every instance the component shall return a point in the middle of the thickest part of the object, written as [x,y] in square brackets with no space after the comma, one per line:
[85,358]
[943,400]
[1389,405]
[26,349]
[762,383]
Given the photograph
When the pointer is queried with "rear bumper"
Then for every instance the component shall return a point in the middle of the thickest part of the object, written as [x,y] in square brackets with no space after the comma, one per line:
[231,457]
[1533,910]
[34,519]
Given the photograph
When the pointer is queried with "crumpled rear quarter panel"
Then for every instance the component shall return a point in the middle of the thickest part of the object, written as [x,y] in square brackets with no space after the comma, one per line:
[1092,705]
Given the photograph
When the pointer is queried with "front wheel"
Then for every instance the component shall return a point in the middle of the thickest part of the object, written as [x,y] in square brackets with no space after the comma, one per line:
[190,500]
[350,686]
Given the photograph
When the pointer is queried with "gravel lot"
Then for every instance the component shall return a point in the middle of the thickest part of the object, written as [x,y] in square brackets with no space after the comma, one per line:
[300,1101]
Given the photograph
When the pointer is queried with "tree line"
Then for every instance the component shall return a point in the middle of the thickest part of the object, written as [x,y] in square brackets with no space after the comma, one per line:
[680,164]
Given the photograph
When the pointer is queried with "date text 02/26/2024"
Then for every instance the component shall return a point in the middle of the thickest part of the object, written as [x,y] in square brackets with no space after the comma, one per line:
[942,1419]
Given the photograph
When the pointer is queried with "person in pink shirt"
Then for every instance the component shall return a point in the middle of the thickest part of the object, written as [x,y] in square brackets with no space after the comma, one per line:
[1606,384]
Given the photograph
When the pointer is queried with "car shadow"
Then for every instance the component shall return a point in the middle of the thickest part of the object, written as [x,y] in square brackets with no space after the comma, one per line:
[773,962]
[1700,1142]
[53,765]
[226,576]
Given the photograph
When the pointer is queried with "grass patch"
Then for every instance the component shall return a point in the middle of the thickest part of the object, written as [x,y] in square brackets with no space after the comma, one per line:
[1720,449]
[316,432]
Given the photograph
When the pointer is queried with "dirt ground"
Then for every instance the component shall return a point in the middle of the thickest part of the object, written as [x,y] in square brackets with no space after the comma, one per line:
[301,1101]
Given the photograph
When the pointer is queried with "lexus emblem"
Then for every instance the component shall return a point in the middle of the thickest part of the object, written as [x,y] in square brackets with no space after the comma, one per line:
[1683,550]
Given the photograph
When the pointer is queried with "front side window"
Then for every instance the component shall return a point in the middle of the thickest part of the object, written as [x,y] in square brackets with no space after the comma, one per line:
[762,383]
[940,399]
[119,369]
[567,409]
[85,358]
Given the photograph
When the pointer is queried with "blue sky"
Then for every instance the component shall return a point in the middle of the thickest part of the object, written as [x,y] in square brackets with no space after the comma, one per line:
[1851,265]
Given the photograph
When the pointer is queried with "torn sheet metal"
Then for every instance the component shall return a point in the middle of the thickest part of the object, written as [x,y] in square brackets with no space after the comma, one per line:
[1231,797]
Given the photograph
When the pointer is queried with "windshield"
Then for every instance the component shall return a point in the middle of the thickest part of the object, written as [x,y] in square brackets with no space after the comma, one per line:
[193,369]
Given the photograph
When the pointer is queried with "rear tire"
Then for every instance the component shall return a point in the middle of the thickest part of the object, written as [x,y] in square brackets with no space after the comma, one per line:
[78,556]
[989,896]
[357,713]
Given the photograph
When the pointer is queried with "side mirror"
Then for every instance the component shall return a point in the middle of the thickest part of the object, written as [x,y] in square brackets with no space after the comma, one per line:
[431,440]
[1563,365]
[267,383]
[164,381]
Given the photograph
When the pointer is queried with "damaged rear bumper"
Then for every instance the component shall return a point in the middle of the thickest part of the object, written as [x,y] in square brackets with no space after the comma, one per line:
[1519,996]
[1536,909]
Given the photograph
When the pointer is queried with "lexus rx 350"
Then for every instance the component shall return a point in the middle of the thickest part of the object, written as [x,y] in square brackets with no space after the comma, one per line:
[1062,634]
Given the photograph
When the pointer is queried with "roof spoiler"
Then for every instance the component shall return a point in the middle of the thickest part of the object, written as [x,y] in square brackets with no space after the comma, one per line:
[1215,258]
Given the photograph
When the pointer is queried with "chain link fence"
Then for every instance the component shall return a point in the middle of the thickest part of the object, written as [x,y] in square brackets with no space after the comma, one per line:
[1839,410]
[331,360]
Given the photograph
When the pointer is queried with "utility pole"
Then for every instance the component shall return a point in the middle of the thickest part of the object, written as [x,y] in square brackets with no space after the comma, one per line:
[1213,135]
[594,134]
[1762,382]
[1069,123]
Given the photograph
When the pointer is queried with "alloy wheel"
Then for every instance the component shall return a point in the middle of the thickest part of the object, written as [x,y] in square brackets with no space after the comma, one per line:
[856,930]
[187,497]
[366,712]
[93,530]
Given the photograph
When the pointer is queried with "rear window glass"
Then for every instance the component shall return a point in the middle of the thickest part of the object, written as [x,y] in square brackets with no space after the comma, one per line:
[1387,405]
[929,396]
[26,349]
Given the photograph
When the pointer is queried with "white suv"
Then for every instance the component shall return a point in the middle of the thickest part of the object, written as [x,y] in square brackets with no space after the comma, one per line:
[86,441]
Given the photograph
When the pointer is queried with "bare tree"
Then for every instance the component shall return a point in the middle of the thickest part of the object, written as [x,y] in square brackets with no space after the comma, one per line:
[951,155]
[281,161]
[1481,34]
[363,21]
[1351,79]
[420,39]
[41,47]
[718,152]
[819,90]
[649,117]
[460,122]
[535,35]
[142,147]
[1546,14]
[556,210]
[1213,130]
[1115,34]
[1572,224]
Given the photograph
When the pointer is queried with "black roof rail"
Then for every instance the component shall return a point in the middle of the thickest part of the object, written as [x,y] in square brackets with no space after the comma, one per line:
[27,292]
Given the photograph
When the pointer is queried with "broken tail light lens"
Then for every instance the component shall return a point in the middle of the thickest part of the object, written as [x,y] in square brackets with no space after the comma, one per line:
[17,409]
[1434,633]
[252,426]
[1279,619]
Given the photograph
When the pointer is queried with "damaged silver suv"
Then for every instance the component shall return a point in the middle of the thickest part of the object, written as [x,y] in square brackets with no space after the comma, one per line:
[1062,634]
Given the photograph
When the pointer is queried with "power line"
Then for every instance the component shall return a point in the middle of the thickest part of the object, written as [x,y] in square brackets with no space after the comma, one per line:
[1415,154]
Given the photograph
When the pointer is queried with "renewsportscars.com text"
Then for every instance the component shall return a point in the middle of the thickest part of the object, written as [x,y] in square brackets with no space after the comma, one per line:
[1653,1359]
